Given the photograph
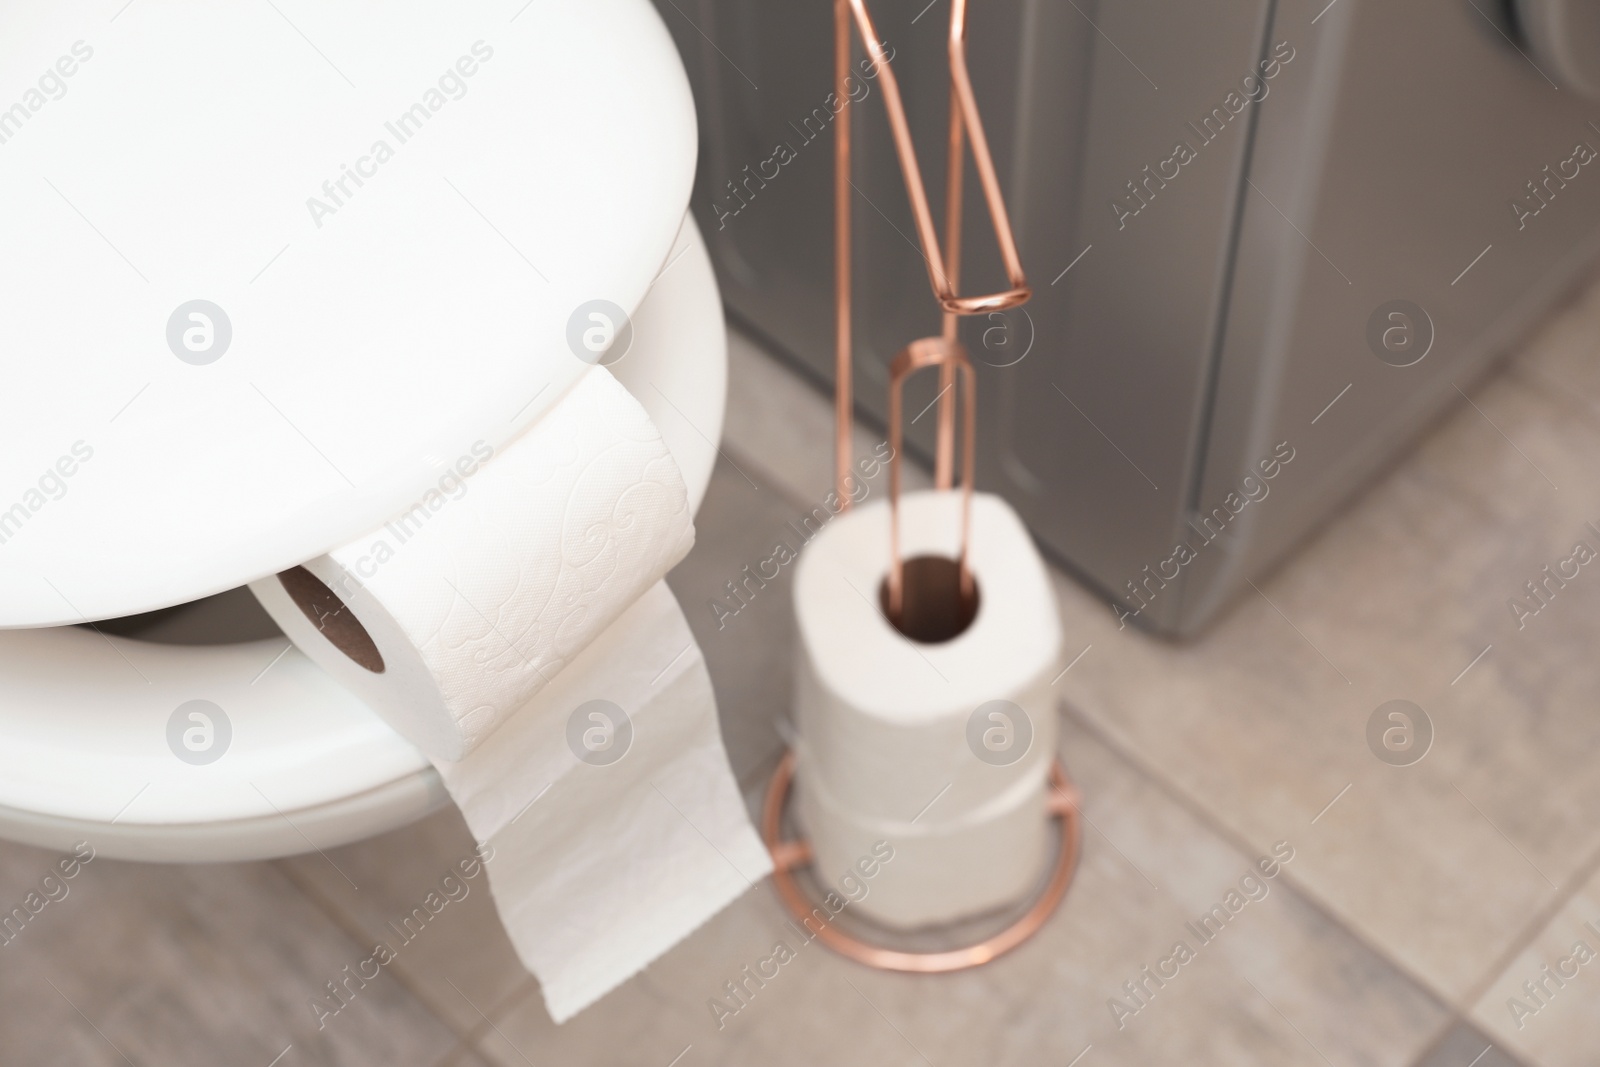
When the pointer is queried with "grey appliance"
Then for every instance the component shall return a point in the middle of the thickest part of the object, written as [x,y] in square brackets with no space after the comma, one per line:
[1267,236]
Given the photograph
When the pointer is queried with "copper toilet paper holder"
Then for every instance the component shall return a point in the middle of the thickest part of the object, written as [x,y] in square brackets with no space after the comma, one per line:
[949,355]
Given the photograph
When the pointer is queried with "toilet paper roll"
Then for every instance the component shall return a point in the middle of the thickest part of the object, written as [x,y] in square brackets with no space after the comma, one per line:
[992,857]
[895,727]
[464,607]
[940,768]
[521,636]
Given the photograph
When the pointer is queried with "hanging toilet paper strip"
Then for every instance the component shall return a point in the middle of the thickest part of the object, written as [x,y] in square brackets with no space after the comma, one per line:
[522,637]
[614,837]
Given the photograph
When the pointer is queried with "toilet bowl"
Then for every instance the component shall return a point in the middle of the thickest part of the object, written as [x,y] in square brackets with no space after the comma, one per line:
[286,760]
[245,334]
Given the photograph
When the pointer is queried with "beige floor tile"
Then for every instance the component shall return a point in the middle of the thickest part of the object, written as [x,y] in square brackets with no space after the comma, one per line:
[1557,1023]
[1565,351]
[154,964]
[1265,715]
[469,1057]
[459,962]
[1042,1004]
[779,421]
[1524,448]
[1282,964]
[748,643]
[785,427]
[1465,1046]
[1259,728]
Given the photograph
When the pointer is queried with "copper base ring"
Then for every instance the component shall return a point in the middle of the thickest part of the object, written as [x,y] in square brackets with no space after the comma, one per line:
[791,854]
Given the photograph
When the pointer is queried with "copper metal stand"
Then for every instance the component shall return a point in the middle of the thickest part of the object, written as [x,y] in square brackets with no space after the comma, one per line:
[791,854]
[943,264]
[959,597]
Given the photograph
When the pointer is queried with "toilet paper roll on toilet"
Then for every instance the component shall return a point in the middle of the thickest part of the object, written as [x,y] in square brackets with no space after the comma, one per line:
[616,823]
[924,737]
[465,607]
[520,635]
[942,871]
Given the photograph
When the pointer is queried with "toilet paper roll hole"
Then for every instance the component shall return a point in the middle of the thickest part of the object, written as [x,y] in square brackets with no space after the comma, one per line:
[332,617]
[933,608]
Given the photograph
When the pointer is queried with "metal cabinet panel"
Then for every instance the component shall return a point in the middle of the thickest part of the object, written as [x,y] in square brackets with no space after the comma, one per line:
[1334,158]
[1397,160]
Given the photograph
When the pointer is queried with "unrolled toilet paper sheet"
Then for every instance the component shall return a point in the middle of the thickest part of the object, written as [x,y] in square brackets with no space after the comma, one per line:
[663,842]
[503,613]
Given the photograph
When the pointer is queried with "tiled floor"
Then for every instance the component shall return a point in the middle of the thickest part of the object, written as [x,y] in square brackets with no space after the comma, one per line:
[1418,902]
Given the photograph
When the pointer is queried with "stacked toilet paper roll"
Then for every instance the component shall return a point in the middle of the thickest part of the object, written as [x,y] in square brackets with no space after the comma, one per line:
[943,750]
[520,634]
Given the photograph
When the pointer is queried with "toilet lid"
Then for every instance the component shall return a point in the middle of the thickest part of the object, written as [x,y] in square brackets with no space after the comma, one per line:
[268,269]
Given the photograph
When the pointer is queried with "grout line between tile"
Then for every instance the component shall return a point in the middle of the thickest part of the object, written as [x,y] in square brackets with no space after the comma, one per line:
[351,928]
[1543,385]
[1542,918]
[525,990]
[1240,841]
[458,1056]
[1438,1040]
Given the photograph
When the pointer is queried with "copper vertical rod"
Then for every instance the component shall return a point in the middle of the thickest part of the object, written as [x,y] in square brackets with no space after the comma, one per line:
[921,353]
[895,580]
[916,191]
[969,456]
[944,451]
[943,263]
[844,404]
[962,85]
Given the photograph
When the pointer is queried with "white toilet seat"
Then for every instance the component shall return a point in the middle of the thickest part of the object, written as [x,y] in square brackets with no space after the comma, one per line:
[261,294]
[84,751]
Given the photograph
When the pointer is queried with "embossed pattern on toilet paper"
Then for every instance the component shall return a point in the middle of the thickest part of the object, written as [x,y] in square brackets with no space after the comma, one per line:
[537,590]
[883,744]
[599,513]
[862,691]
[488,599]
[602,869]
